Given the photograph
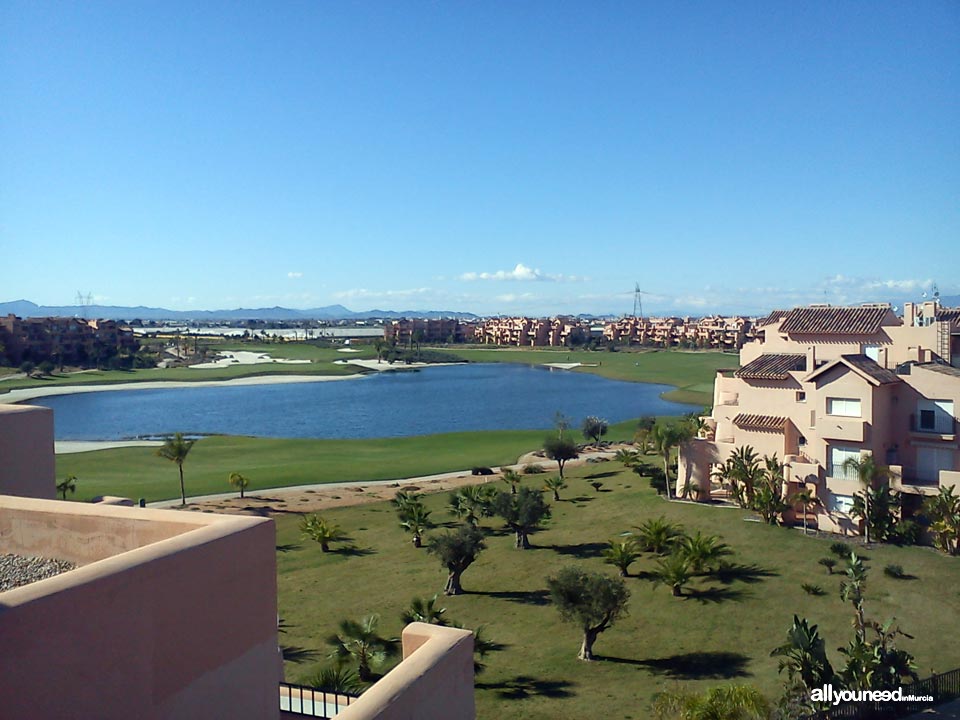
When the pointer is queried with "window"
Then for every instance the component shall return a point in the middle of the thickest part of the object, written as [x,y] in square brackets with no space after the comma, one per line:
[801,396]
[935,416]
[872,352]
[845,407]
[838,456]
[841,503]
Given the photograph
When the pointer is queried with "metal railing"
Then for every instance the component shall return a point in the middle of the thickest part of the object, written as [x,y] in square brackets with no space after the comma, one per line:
[313,702]
[943,687]
[838,471]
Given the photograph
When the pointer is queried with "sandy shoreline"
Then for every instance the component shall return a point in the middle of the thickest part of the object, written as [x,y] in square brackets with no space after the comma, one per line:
[20,395]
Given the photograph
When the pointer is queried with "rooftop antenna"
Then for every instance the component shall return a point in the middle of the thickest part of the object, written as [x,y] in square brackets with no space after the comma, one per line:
[936,294]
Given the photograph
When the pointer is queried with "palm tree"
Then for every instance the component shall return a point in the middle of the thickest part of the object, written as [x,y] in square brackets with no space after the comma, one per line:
[512,478]
[665,437]
[622,554]
[335,680]
[675,571]
[556,484]
[416,520]
[239,481]
[731,702]
[744,472]
[69,483]
[425,611]
[319,530]
[868,473]
[175,449]
[658,536]
[472,502]
[360,641]
[943,510]
[804,655]
[627,458]
[702,550]
[379,345]
[851,590]
[806,499]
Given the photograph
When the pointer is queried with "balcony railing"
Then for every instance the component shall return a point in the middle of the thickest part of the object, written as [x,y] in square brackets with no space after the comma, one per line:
[311,702]
[939,425]
[839,472]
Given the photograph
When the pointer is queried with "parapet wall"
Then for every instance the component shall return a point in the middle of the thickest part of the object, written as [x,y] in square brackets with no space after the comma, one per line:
[181,625]
[434,681]
[27,463]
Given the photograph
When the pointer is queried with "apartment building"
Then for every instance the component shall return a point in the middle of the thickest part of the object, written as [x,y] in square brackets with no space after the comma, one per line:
[442,330]
[533,332]
[822,384]
[714,332]
[63,340]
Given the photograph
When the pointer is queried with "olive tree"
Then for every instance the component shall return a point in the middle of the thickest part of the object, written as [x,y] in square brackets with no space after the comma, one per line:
[560,449]
[593,601]
[522,512]
[456,550]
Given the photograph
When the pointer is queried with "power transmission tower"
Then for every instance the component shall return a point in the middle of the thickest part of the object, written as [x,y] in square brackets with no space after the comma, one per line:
[638,300]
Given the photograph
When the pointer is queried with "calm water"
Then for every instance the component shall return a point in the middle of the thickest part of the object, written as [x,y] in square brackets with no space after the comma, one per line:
[435,400]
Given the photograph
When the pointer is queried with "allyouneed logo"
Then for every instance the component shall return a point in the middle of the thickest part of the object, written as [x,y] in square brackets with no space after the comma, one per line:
[827,694]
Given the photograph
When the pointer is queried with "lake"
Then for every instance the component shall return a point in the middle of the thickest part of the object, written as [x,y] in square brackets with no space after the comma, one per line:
[393,404]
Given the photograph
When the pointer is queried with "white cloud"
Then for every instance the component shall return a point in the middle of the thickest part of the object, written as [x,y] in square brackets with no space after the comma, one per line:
[293,275]
[514,297]
[365,294]
[522,273]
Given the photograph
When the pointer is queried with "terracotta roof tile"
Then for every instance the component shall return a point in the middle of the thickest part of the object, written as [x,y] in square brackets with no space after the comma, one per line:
[773,317]
[760,422]
[868,366]
[772,367]
[942,369]
[834,320]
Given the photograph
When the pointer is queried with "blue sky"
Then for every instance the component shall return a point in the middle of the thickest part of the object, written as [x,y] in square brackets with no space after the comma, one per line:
[532,157]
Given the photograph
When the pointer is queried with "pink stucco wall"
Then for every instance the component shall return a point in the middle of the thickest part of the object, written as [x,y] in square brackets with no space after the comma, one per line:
[27,464]
[179,627]
[434,681]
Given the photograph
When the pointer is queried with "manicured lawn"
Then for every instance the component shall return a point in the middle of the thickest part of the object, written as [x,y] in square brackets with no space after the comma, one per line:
[691,372]
[720,632]
[138,472]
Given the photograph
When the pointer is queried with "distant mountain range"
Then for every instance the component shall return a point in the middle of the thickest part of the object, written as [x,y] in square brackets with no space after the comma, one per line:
[25,308]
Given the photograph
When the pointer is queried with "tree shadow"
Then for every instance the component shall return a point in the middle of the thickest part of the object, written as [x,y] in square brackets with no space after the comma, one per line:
[526,597]
[287,547]
[295,654]
[524,686]
[716,595]
[731,572]
[582,498]
[581,551]
[696,665]
[600,475]
[352,551]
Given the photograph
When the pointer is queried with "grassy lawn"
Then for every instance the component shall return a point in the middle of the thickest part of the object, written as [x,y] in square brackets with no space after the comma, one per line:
[138,472]
[691,372]
[719,633]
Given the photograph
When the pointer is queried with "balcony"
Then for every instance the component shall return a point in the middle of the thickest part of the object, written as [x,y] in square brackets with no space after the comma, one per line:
[833,427]
[940,426]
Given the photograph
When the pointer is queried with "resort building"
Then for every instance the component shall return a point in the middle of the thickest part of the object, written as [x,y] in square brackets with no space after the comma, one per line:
[170,615]
[406,331]
[63,340]
[822,384]
[715,332]
[533,332]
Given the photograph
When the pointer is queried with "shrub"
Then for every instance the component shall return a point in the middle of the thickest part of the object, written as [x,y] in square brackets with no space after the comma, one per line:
[811,589]
[828,563]
[481,471]
[841,550]
[894,571]
[533,469]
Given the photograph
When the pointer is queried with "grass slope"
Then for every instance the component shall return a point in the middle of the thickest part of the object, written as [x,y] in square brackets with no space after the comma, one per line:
[138,472]
[719,633]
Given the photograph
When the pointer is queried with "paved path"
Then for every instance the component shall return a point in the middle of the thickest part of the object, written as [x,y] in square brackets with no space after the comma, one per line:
[369,483]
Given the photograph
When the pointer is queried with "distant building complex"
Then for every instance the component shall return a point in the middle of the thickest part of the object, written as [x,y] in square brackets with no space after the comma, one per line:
[62,340]
[714,332]
[821,384]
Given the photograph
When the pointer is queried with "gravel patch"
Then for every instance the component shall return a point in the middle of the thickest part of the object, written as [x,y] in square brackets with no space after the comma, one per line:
[17,570]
